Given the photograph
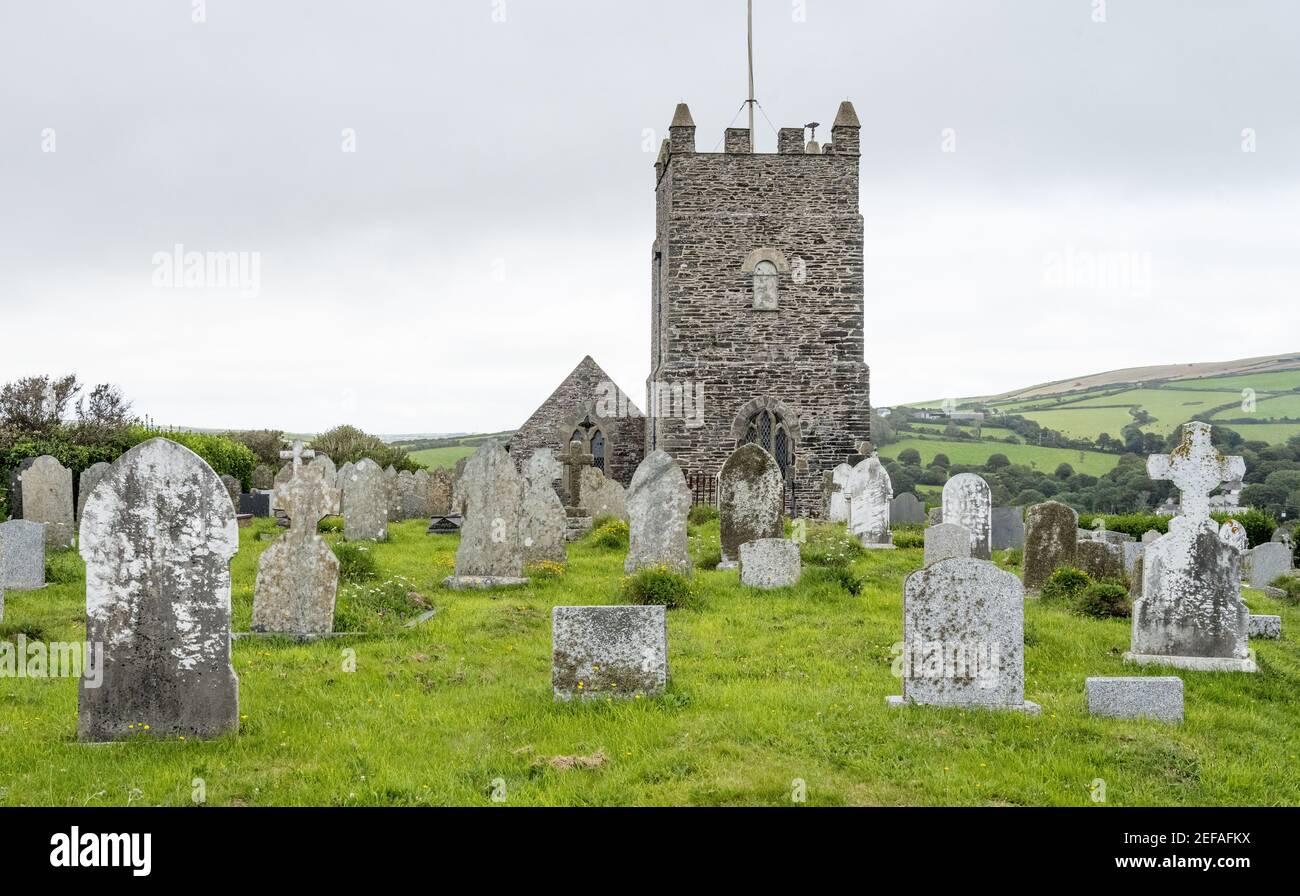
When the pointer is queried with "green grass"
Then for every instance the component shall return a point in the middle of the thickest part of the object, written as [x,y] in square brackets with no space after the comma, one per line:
[441,457]
[1272,433]
[1094,463]
[1267,408]
[765,689]
[1082,423]
[1273,381]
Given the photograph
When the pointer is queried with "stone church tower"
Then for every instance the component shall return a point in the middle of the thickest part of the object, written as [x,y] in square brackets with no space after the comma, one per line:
[757,304]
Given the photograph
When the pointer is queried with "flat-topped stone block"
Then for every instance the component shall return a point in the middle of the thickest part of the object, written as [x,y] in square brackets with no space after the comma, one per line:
[482,583]
[1268,627]
[1136,697]
[602,652]
[769,563]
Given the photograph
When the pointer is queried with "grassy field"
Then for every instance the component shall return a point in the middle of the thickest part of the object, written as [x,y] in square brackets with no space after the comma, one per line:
[766,689]
[1094,463]
[441,457]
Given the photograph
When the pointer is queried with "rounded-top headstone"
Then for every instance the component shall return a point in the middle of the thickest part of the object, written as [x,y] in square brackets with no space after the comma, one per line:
[967,501]
[658,501]
[1051,539]
[750,498]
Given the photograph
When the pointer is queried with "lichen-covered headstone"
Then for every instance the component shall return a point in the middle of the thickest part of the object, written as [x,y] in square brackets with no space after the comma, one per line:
[946,541]
[602,496]
[658,502]
[837,505]
[934,516]
[231,485]
[1267,562]
[769,563]
[869,495]
[422,494]
[411,503]
[963,637]
[603,652]
[440,492]
[750,499]
[86,484]
[1051,538]
[22,555]
[341,477]
[394,494]
[157,536]
[1151,535]
[1008,528]
[543,523]
[1099,559]
[365,503]
[263,477]
[298,575]
[1190,613]
[489,553]
[968,502]
[907,510]
[47,498]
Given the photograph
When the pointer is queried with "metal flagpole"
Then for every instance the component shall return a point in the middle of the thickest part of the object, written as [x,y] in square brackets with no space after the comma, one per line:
[750,101]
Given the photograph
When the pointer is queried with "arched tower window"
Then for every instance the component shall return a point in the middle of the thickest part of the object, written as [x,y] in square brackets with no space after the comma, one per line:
[766,428]
[597,450]
[765,286]
[593,442]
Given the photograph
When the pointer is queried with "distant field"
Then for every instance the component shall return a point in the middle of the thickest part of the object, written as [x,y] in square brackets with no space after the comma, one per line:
[1084,423]
[1277,381]
[441,457]
[1094,463]
[1268,408]
[1273,433]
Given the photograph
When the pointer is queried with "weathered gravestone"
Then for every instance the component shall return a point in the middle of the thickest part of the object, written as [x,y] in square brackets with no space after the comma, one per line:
[907,510]
[298,575]
[86,484]
[411,503]
[341,477]
[231,485]
[1099,560]
[1008,532]
[1132,554]
[1267,562]
[575,460]
[968,502]
[394,496]
[602,496]
[22,555]
[255,504]
[869,495]
[542,520]
[365,502]
[157,537]
[963,637]
[1145,697]
[1267,627]
[1151,535]
[750,499]
[769,563]
[47,498]
[1051,537]
[489,554]
[602,652]
[440,492]
[658,502]
[1189,613]
[263,477]
[421,494]
[946,541]
[837,503]
[934,516]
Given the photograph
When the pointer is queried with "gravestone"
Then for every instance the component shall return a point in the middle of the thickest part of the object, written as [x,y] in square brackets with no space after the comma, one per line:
[1132,554]
[968,502]
[1151,535]
[769,563]
[341,477]
[422,505]
[837,508]
[489,554]
[945,542]
[1008,532]
[411,503]
[934,516]
[575,460]
[263,477]
[232,487]
[47,498]
[1051,538]
[157,536]
[750,499]
[298,575]
[658,501]
[1282,535]
[963,637]
[1266,627]
[255,504]
[1099,560]
[440,492]
[603,652]
[869,495]
[22,555]
[907,510]
[365,499]
[1267,562]
[1145,697]
[284,474]
[602,496]
[86,484]
[393,496]
[542,519]
[1190,613]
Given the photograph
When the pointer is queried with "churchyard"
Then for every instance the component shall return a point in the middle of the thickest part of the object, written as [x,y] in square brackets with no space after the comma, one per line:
[773,696]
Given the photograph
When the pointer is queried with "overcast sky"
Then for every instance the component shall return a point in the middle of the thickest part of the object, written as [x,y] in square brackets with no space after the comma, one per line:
[492,223]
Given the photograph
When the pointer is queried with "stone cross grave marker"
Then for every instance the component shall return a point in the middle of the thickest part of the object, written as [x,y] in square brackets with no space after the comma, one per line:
[574,460]
[1197,468]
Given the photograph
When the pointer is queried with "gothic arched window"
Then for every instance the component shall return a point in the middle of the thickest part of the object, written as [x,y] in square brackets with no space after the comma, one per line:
[766,428]
[765,289]
[598,450]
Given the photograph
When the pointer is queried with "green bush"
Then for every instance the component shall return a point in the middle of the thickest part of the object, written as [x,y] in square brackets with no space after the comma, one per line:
[1065,584]
[612,534]
[223,455]
[1135,524]
[701,514]
[1289,584]
[830,544]
[658,585]
[356,562]
[841,576]
[1105,600]
[1259,525]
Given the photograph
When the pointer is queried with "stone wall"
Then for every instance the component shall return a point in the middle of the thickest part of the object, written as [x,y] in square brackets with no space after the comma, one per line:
[803,359]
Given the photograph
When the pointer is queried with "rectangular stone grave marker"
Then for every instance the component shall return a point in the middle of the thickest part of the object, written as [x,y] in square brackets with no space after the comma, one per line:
[600,652]
[1137,697]
[22,555]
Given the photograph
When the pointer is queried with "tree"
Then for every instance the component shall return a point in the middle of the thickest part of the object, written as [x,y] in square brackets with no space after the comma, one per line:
[36,405]
[102,416]
[941,460]
[997,461]
[265,443]
[909,456]
[1064,471]
[346,444]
